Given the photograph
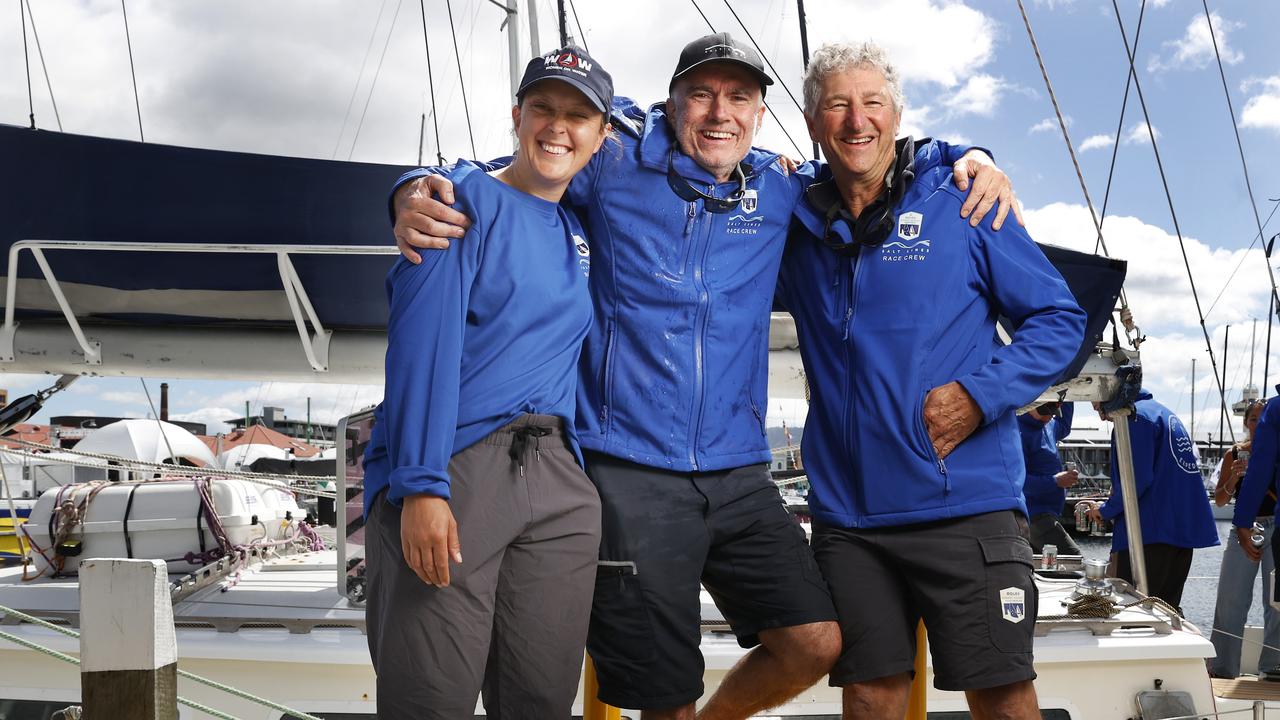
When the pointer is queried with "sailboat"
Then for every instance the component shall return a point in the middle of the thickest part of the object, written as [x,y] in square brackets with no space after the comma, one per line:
[281,279]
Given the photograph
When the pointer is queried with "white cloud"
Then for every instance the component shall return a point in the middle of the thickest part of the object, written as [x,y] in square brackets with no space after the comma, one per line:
[213,418]
[1094,142]
[1262,110]
[1139,135]
[1049,124]
[1195,49]
[979,95]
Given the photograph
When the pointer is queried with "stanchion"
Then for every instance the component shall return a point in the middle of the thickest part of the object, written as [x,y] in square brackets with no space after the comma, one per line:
[592,708]
[916,705]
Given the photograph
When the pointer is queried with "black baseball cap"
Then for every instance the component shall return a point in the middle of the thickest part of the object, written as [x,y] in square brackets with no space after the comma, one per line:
[720,47]
[574,66]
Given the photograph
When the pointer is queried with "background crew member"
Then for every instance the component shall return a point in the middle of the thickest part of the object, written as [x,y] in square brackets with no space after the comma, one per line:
[1045,488]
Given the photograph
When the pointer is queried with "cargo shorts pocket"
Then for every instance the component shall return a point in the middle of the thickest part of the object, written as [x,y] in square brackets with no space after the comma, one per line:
[1011,596]
[621,632]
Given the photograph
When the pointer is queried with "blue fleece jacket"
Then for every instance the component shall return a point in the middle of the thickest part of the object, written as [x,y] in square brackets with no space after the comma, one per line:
[479,334]
[674,370]
[881,329]
[1261,475]
[1040,454]
[1172,502]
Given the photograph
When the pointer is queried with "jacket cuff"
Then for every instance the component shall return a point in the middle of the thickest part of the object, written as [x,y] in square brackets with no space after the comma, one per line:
[985,402]
[417,480]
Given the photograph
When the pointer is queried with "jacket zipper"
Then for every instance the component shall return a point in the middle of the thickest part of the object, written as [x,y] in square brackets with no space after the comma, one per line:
[699,354]
[851,298]
[606,380]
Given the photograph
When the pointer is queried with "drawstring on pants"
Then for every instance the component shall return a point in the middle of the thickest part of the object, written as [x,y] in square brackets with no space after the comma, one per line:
[520,443]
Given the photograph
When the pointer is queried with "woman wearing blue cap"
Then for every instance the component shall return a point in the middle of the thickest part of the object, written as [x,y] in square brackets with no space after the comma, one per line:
[473,454]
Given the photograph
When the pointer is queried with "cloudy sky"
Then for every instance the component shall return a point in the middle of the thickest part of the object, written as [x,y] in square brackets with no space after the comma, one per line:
[329,79]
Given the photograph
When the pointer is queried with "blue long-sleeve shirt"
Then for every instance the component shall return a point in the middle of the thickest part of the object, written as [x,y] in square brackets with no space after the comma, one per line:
[480,333]
[1040,453]
[1172,503]
[1261,475]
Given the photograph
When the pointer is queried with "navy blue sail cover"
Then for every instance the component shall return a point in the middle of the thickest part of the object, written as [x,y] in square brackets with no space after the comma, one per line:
[58,186]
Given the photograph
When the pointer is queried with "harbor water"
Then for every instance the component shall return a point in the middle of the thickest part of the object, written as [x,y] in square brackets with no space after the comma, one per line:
[1201,591]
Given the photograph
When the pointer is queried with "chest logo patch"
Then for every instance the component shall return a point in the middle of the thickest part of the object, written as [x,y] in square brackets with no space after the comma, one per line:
[584,254]
[909,225]
[750,201]
[1013,604]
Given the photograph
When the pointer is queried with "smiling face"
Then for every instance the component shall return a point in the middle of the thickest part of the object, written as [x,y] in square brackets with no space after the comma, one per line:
[855,122]
[716,110]
[558,130]
[1251,415]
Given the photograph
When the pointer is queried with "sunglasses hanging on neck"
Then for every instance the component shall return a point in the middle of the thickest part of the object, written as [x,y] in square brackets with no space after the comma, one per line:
[687,192]
[872,227]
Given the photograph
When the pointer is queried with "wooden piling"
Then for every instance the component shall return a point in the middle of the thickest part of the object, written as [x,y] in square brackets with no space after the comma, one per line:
[128,650]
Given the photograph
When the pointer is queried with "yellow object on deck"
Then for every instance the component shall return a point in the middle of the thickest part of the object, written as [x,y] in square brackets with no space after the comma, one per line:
[592,708]
[916,705]
[11,542]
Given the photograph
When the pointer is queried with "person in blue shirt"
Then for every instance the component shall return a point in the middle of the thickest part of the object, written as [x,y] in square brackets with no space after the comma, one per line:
[474,453]
[1172,504]
[1241,561]
[1045,488]
[687,226]
[911,442]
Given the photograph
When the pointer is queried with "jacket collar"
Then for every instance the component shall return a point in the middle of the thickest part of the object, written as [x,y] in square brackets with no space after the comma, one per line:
[658,139]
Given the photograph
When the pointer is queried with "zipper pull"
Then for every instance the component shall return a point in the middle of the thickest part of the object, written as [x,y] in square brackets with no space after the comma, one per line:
[942,466]
[848,315]
[691,215]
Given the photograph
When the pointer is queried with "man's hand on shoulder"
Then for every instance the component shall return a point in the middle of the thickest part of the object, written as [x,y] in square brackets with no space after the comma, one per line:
[989,186]
[950,416]
[424,222]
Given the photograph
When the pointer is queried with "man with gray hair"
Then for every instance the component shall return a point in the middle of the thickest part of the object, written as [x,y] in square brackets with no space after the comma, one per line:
[912,447]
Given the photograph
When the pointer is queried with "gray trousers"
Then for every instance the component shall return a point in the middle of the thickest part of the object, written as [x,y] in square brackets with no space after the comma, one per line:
[513,621]
[1045,528]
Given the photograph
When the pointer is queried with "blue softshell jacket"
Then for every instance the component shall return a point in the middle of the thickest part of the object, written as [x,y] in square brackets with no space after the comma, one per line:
[479,334]
[1040,453]
[879,330]
[1261,475]
[674,371]
[1172,501]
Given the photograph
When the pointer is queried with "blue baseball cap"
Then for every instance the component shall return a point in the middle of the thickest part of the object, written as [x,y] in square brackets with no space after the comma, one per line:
[574,66]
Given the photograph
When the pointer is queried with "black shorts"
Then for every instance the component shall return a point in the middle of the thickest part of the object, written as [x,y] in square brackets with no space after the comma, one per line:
[664,533]
[970,580]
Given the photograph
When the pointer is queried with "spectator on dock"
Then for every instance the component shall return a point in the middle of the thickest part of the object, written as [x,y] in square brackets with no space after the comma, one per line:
[1175,514]
[1045,488]
[1248,474]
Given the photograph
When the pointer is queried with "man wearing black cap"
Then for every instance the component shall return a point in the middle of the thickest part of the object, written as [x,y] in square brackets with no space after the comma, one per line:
[687,225]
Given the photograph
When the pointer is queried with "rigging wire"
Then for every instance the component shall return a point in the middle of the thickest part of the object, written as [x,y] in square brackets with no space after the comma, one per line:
[466,109]
[582,37]
[1137,84]
[352,101]
[760,50]
[1243,257]
[129,42]
[376,72]
[43,65]
[1253,204]
[26,57]
[781,126]
[431,85]
[1126,316]
[1115,146]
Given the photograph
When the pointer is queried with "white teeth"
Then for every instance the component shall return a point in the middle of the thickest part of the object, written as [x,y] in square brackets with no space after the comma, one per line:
[553,149]
[856,141]
[714,135]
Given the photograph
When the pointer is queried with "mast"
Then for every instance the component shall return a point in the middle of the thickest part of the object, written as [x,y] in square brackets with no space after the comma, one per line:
[804,53]
[564,23]
[1222,414]
[534,45]
[1193,401]
[513,46]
